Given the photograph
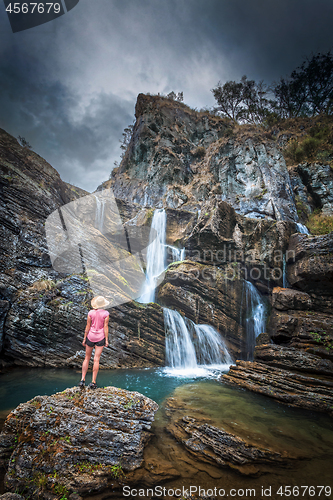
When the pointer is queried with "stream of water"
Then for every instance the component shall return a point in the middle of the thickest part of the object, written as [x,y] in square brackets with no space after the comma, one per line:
[306,437]
[255,322]
[156,256]
[302,229]
[196,357]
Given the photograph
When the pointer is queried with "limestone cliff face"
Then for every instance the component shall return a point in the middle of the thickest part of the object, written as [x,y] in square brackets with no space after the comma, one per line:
[181,158]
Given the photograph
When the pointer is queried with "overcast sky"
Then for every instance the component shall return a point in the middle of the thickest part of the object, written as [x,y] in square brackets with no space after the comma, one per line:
[70,86]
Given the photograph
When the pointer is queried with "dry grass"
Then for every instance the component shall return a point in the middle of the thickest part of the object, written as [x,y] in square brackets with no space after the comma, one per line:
[319,224]
[307,139]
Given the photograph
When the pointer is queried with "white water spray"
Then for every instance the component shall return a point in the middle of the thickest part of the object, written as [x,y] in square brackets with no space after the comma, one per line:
[156,256]
[302,229]
[177,254]
[192,348]
[256,316]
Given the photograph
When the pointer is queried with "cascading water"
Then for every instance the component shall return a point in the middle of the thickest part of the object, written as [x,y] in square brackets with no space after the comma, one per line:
[189,347]
[301,228]
[256,317]
[156,256]
[192,348]
[284,277]
[99,214]
[177,254]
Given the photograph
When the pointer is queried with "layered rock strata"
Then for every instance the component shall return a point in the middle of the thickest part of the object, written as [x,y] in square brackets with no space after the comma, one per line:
[285,386]
[43,312]
[216,446]
[81,441]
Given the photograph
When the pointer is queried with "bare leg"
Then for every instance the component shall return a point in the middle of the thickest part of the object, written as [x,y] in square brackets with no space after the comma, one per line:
[85,363]
[98,352]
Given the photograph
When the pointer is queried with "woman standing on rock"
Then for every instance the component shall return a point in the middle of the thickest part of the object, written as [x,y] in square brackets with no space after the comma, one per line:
[95,335]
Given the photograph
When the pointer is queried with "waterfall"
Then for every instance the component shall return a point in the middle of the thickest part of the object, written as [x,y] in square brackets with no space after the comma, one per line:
[156,256]
[190,347]
[284,277]
[256,317]
[99,214]
[177,254]
[301,228]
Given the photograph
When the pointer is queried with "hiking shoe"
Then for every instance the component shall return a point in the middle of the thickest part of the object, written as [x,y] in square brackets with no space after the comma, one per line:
[82,383]
[92,385]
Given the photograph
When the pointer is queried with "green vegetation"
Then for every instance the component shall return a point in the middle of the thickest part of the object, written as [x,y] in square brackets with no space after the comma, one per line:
[314,144]
[323,339]
[308,91]
[302,209]
[23,142]
[131,403]
[61,490]
[117,471]
[319,224]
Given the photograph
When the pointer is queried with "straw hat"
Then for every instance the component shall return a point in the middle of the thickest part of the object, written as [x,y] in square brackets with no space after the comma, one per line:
[99,302]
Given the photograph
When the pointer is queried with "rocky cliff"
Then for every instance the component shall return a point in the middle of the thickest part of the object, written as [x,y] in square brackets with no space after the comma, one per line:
[181,158]
[43,312]
[234,205]
[230,202]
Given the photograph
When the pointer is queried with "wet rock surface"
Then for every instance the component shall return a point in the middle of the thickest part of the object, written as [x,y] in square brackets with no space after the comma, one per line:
[286,386]
[215,445]
[294,359]
[79,441]
[310,266]
[318,179]
[204,296]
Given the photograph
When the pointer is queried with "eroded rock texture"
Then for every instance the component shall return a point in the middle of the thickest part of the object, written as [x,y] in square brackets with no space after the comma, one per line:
[43,312]
[180,158]
[285,386]
[75,441]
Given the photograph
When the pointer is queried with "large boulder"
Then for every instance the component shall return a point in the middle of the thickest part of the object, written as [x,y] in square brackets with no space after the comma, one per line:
[78,440]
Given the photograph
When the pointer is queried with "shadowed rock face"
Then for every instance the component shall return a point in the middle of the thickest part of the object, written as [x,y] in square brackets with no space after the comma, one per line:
[43,312]
[311,263]
[180,158]
[77,440]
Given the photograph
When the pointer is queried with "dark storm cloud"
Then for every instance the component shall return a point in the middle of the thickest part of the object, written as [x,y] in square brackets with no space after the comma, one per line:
[70,87]
[48,115]
[265,38]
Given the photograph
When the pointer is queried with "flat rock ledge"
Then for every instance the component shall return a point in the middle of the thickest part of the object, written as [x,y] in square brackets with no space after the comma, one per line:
[75,442]
[289,387]
[218,447]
